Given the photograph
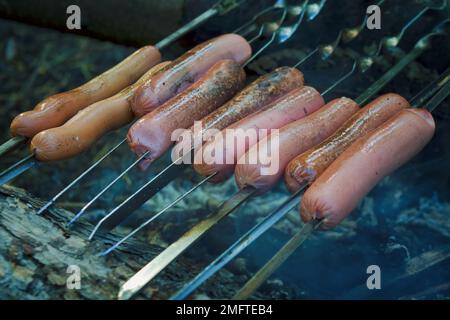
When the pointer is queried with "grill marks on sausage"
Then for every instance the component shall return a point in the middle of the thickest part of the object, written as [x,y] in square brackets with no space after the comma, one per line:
[255,96]
[153,131]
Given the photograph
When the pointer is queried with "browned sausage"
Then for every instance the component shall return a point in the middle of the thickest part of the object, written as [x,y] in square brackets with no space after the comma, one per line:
[185,70]
[88,125]
[153,132]
[293,139]
[350,177]
[57,109]
[307,167]
[293,106]
[254,97]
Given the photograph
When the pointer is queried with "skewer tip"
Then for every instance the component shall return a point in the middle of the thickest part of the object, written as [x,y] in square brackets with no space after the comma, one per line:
[125,294]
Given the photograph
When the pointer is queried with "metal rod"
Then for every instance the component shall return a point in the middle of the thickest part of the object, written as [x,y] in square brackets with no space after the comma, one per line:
[17,169]
[11,144]
[430,90]
[99,194]
[81,176]
[339,81]
[17,164]
[277,260]
[439,97]
[243,242]
[147,273]
[154,217]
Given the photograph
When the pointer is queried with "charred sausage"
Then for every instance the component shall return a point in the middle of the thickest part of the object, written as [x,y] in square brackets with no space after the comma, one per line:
[306,167]
[153,132]
[293,139]
[351,176]
[57,109]
[252,98]
[88,125]
[245,133]
[187,69]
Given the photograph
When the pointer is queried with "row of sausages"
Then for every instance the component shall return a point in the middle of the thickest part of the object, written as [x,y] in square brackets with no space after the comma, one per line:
[342,151]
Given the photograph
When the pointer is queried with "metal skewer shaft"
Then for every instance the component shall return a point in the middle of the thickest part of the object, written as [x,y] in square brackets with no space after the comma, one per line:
[243,242]
[147,273]
[157,215]
[277,260]
[11,144]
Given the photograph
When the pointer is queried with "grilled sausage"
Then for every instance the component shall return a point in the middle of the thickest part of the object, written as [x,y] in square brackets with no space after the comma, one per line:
[88,125]
[245,133]
[305,168]
[153,132]
[350,177]
[187,69]
[293,139]
[252,98]
[57,109]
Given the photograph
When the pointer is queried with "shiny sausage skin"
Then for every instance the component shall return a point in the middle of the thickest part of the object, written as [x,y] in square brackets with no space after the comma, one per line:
[57,109]
[88,125]
[153,132]
[345,183]
[294,105]
[305,168]
[185,70]
[252,98]
[295,138]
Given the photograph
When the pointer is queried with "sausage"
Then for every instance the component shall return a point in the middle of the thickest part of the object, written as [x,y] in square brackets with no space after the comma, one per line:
[254,97]
[350,177]
[57,109]
[153,132]
[88,125]
[293,139]
[187,69]
[293,106]
[306,167]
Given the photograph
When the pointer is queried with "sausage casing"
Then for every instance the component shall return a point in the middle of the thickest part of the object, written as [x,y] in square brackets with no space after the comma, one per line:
[57,109]
[345,183]
[306,167]
[88,125]
[293,139]
[153,132]
[254,97]
[294,105]
[187,69]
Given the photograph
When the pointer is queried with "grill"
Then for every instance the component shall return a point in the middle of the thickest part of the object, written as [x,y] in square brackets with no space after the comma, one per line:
[396,226]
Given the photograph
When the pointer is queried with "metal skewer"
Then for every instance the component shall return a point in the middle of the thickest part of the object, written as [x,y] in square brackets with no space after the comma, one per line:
[443,86]
[274,217]
[277,260]
[123,210]
[240,245]
[279,5]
